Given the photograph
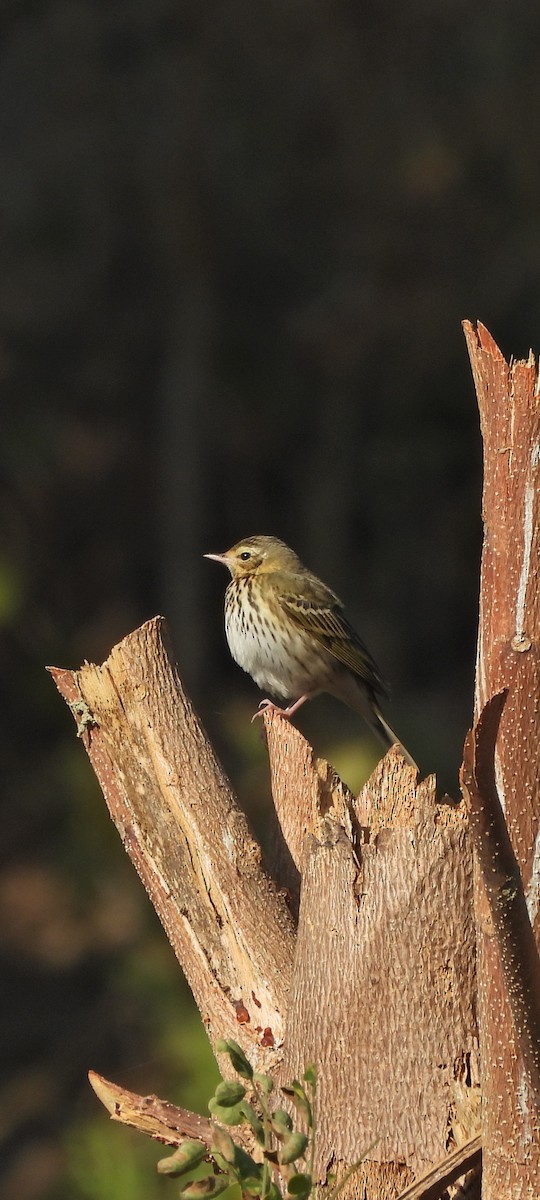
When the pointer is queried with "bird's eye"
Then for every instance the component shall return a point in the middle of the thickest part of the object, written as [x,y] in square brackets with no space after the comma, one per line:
[245,555]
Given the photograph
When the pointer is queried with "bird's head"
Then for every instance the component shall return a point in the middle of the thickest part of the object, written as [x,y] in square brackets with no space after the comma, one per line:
[257,556]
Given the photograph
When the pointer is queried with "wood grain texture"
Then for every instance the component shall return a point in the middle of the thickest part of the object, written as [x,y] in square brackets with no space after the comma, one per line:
[182,827]
[383,995]
[503,889]
[159,1120]
[508,658]
[434,1183]
[305,788]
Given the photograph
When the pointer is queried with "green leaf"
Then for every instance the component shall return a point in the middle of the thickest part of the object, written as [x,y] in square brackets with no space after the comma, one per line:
[273,1192]
[264,1082]
[229,1092]
[227,1152]
[188,1156]
[253,1119]
[253,1185]
[281,1122]
[222,1143]
[310,1074]
[297,1095]
[238,1059]
[293,1147]
[202,1189]
[227,1116]
[299,1185]
[232,1192]
[246,1166]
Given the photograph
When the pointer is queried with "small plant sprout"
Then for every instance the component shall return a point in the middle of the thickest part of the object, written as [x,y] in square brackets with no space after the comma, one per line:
[285,1166]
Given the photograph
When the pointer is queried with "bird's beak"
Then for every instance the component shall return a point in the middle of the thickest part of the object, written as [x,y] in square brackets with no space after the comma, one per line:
[222,558]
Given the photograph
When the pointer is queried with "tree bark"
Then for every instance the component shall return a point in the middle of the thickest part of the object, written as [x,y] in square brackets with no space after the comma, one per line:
[189,841]
[383,983]
[378,985]
[164,1122]
[503,889]
[508,658]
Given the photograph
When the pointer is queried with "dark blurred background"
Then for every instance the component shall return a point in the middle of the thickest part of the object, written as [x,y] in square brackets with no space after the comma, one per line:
[238,241]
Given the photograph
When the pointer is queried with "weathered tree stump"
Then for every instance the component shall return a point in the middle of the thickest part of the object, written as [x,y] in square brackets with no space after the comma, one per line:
[376,985]
[357,950]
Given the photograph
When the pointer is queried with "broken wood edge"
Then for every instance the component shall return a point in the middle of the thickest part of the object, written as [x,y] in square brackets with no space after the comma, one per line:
[156,1118]
[433,1183]
[306,789]
[156,1122]
[229,894]
[478,336]
[503,886]
[170,1125]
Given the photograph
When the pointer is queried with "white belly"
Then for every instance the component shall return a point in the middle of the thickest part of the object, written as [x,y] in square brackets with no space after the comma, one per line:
[273,653]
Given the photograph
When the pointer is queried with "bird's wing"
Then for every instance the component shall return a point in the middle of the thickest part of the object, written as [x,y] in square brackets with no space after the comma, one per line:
[318,611]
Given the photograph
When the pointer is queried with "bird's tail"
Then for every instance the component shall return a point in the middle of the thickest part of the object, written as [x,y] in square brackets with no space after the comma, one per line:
[362,700]
[386,734]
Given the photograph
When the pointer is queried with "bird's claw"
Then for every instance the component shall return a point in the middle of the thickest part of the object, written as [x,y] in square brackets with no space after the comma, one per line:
[264,706]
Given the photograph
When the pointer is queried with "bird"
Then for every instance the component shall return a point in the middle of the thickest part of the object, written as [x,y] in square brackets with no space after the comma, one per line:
[288,630]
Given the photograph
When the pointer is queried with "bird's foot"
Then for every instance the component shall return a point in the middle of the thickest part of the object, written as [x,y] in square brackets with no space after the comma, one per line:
[269,706]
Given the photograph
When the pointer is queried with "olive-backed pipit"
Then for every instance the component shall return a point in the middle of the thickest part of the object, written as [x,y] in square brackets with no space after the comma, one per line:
[287,629]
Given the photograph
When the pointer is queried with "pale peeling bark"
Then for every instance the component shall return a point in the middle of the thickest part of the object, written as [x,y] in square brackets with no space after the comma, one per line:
[188,839]
[509,658]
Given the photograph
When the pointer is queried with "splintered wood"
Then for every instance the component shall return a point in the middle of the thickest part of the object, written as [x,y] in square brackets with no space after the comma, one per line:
[383,994]
[377,986]
[187,837]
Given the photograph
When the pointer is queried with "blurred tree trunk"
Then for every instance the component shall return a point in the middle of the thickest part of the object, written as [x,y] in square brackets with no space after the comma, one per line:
[508,658]
[182,452]
[183,249]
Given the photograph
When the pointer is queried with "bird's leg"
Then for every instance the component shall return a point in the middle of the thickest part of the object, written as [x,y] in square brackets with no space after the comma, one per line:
[269,706]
